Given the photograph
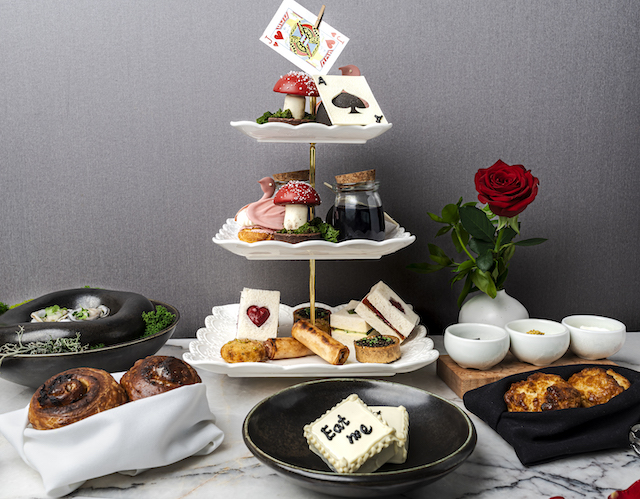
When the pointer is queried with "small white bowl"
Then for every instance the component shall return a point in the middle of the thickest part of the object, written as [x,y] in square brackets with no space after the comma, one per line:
[595,337]
[476,346]
[538,349]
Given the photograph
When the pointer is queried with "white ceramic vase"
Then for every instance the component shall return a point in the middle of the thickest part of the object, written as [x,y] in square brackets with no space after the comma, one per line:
[497,311]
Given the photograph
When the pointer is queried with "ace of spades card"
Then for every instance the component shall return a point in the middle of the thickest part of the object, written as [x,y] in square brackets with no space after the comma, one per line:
[348,100]
[292,33]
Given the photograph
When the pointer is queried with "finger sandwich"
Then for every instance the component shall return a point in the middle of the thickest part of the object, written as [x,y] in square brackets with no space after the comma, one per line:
[347,326]
[258,314]
[387,313]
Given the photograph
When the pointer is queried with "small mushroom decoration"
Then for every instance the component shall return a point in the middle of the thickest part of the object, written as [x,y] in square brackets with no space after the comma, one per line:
[297,85]
[296,196]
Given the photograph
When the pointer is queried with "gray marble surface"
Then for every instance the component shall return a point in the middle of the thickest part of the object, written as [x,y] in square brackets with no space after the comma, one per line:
[492,471]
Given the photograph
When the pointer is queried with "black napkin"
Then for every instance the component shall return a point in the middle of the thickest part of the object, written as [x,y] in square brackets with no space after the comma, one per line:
[539,437]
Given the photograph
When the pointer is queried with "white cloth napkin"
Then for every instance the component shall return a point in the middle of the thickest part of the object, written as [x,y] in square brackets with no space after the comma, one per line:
[129,439]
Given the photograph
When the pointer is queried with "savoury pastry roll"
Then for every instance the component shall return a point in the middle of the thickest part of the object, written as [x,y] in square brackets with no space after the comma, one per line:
[320,342]
[285,348]
[243,351]
[74,395]
[157,374]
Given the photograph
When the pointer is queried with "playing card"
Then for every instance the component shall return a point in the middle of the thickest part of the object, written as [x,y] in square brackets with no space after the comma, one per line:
[348,100]
[292,34]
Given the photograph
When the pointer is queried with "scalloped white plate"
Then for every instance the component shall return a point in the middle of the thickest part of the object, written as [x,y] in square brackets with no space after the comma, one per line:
[220,327]
[354,249]
[311,132]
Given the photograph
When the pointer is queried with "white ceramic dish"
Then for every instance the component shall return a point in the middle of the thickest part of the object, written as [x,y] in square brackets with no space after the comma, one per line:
[220,327]
[354,249]
[476,346]
[602,338]
[538,349]
[311,132]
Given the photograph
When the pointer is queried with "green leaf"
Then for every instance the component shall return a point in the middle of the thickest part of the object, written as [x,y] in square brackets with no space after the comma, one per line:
[513,223]
[479,247]
[484,282]
[458,277]
[507,235]
[530,242]
[435,218]
[463,236]
[465,266]
[507,253]
[485,261]
[477,224]
[438,255]
[450,214]
[466,289]
[502,277]
[443,230]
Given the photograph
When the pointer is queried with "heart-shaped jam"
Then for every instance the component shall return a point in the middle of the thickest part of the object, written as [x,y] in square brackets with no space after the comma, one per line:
[258,315]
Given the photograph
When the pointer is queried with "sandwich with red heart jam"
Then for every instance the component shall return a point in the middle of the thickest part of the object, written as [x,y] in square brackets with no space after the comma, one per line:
[258,314]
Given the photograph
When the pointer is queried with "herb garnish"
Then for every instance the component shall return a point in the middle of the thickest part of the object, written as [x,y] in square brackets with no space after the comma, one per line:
[328,232]
[375,341]
[286,114]
[157,320]
[59,345]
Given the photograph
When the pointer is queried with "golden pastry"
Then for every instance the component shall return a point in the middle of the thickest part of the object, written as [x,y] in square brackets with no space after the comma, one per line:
[72,396]
[597,386]
[541,392]
[319,342]
[157,374]
[243,350]
[377,349]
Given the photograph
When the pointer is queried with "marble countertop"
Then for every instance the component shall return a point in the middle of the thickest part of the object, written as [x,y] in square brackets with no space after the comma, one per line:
[492,471]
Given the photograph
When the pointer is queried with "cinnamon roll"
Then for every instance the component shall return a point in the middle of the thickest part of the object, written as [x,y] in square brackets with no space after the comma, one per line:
[74,395]
[157,374]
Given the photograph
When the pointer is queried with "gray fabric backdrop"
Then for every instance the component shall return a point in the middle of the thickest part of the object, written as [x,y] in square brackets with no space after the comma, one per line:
[118,164]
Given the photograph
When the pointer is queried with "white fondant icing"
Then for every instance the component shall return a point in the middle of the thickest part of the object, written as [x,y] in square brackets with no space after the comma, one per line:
[350,438]
[398,419]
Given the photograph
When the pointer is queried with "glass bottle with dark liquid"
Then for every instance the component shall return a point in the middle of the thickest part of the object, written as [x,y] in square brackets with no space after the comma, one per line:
[357,212]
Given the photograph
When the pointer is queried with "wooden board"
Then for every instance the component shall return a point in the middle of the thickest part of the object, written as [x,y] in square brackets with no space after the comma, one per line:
[461,380]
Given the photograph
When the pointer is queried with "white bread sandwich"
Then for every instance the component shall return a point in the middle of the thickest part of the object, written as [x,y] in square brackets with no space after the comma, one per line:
[347,326]
[258,314]
[385,311]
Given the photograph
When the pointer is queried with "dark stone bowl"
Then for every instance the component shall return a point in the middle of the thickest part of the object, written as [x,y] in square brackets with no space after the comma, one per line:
[124,322]
[34,370]
[441,436]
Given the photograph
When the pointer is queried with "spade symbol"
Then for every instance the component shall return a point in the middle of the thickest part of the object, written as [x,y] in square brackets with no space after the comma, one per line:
[346,100]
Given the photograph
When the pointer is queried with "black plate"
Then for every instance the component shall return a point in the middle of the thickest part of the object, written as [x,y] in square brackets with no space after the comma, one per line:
[33,370]
[123,323]
[441,436]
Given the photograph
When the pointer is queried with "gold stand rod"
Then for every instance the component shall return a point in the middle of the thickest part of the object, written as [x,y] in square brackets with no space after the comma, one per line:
[312,263]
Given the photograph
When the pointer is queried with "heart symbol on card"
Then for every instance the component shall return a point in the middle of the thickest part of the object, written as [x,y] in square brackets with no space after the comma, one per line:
[258,315]
[331,43]
[278,35]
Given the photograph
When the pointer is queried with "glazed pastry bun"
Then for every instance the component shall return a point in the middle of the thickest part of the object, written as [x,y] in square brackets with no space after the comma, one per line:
[72,396]
[157,374]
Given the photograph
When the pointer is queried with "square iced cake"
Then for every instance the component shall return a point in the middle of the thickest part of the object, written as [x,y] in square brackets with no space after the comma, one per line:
[350,438]
[258,314]
[398,419]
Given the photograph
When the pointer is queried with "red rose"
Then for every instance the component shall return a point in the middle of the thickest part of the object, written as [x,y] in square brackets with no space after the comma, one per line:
[507,190]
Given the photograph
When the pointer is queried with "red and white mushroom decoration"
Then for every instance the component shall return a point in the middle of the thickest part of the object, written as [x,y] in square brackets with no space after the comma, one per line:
[296,196]
[297,85]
